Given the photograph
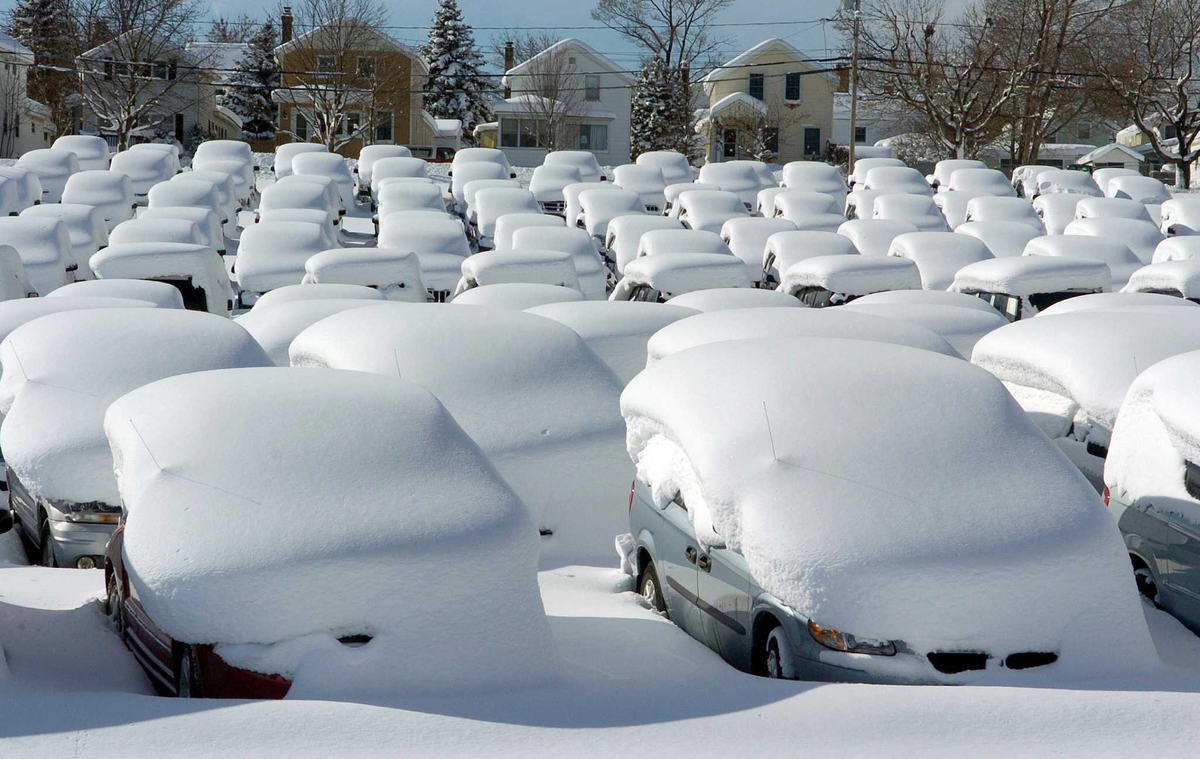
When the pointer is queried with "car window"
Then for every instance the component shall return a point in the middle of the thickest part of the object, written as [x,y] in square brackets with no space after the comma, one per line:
[678,501]
[1191,480]
[816,297]
[1042,301]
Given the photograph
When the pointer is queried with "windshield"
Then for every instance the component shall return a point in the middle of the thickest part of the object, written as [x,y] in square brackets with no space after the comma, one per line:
[1042,301]
[647,294]
[1009,306]
[817,297]
[1192,480]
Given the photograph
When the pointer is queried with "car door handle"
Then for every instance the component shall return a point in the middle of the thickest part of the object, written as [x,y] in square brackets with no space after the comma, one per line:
[690,553]
[705,563]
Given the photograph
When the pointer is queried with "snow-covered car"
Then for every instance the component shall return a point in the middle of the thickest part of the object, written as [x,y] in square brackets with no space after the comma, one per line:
[598,207]
[272,254]
[226,184]
[160,294]
[92,151]
[918,210]
[708,210]
[1057,210]
[14,313]
[1180,279]
[161,148]
[493,202]
[815,176]
[44,246]
[245,184]
[544,267]
[764,204]
[111,192]
[1121,261]
[943,170]
[517,296]
[734,298]
[1061,369]
[145,169]
[672,192]
[953,206]
[14,280]
[306,215]
[399,167]
[791,582]
[481,155]
[197,193]
[395,273]
[295,609]
[1145,190]
[657,279]
[223,150]
[364,169]
[658,242]
[863,165]
[938,255]
[960,327]
[893,179]
[1177,249]
[1024,177]
[647,181]
[208,222]
[765,174]
[1067,182]
[747,239]
[158,230]
[824,281]
[29,187]
[860,203]
[1142,237]
[529,391]
[508,224]
[786,248]
[981,181]
[1181,216]
[625,233]
[275,327]
[408,196]
[473,172]
[995,208]
[674,165]
[60,468]
[584,160]
[423,232]
[1112,208]
[873,237]
[53,169]
[299,195]
[1005,239]
[790,203]
[284,154]
[302,292]
[547,185]
[1121,300]
[85,228]
[329,166]
[1102,176]
[590,268]
[1021,286]
[738,178]
[468,210]
[197,271]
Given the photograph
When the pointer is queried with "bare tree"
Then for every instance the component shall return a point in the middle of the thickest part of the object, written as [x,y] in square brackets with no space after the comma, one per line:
[764,133]
[240,29]
[1146,54]
[550,90]
[14,105]
[144,74]
[677,31]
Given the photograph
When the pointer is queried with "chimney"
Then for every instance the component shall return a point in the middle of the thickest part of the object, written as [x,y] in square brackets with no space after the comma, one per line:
[285,24]
[508,64]
[843,80]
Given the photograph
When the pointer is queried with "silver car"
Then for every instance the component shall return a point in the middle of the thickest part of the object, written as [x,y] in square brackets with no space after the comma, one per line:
[62,533]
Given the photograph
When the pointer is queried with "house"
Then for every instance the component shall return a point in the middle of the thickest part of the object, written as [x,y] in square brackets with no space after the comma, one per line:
[567,97]
[770,100]
[876,119]
[1112,156]
[24,123]
[381,78]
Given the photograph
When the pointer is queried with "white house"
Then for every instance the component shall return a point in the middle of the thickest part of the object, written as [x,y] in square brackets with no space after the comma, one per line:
[573,85]
[877,119]
[24,123]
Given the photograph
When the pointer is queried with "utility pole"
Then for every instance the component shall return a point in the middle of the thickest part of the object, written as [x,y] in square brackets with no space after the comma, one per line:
[853,81]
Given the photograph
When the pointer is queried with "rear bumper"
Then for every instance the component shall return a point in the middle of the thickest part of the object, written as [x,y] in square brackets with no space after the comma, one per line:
[219,679]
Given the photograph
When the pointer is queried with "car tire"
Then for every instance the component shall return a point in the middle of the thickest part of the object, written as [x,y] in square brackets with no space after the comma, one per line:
[46,556]
[650,590]
[187,680]
[112,607]
[778,656]
[1147,586]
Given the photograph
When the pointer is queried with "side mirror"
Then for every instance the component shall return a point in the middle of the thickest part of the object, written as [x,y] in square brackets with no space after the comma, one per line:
[6,521]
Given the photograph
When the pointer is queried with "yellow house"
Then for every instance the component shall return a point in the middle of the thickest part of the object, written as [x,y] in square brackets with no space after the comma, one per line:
[770,101]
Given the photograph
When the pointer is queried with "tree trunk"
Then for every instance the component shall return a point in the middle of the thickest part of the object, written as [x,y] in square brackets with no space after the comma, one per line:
[1183,175]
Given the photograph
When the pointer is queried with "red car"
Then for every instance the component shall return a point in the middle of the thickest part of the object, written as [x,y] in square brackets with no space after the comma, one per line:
[183,669]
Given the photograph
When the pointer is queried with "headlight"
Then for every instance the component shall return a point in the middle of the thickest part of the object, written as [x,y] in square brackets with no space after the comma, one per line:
[93,512]
[840,641]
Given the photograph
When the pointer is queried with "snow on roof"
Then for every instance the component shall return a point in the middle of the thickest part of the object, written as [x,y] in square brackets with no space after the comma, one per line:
[61,372]
[784,323]
[725,298]
[530,105]
[276,326]
[14,313]
[943,170]
[852,275]
[1064,181]
[1178,248]
[1094,301]
[1123,208]
[1120,259]
[491,203]
[657,241]
[1005,239]
[1072,354]
[885,540]
[547,267]
[626,232]
[814,176]
[1139,188]
[1057,210]
[598,207]
[938,255]
[1102,154]
[270,598]
[517,296]
[152,230]
[617,331]
[98,186]
[1169,276]
[998,208]
[161,294]
[395,273]
[45,249]
[273,253]
[1029,275]
[198,264]
[960,327]
[431,235]
[1142,237]
[9,45]
[789,53]
[927,297]
[786,248]
[607,65]
[681,273]
[527,390]
[292,293]
[873,237]
[729,101]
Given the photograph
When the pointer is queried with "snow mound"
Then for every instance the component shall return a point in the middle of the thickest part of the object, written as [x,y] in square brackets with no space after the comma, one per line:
[516,296]
[873,237]
[494,267]
[197,265]
[1177,248]
[939,255]
[1181,277]
[1029,275]
[927,297]
[1005,239]
[680,273]
[161,294]
[276,326]
[960,327]
[1142,237]
[1095,301]
[322,291]
[395,273]
[14,313]
[852,275]
[722,298]
[941,519]
[356,537]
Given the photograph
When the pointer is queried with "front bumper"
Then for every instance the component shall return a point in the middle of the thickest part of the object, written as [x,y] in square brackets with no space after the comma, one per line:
[74,540]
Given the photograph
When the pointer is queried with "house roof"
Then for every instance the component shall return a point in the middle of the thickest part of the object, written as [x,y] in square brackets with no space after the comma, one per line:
[393,43]
[1105,150]
[224,56]
[10,45]
[532,104]
[748,57]
[727,102]
[609,64]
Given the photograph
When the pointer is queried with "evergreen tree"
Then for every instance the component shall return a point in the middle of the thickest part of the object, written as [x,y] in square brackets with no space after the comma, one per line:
[248,90]
[661,117]
[456,87]
[46,28]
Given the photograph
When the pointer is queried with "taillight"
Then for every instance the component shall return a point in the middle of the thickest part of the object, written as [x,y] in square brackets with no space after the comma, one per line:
[1106,495]
[633,485]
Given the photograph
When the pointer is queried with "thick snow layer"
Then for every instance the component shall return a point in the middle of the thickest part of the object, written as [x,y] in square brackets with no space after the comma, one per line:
[1180,216]
[1057,210]
[864,165]
[85,229]
[209,223]
[960,327]
[517,296]
[674,241]
[617,331]
[815,177]
[14,313]
[1004,239]
[200,265]
[1094,301]
[1062,181]
[273,253]
[674,166]
[789,203]
[1111,208]
[747,239]
[722,298]
[625,234]
[680,273]
[277,324]
[45,249]
[1182,277]
[782,323]
[918,210]
[1142,237]
[981,180]
[786,248]
[938,255]
[1028,275]
[61,371]
[975,533]
[14,280]
[547,182]
[708,210]
[1115,254]
[927,298]
[897,179]
[316,292]
[426,234]
[508,224]
[1177,249]
[589,268]
[1138,188]
[395,273]
[161,294]
[152,230]
[598,207]
[355,536]
[852,275]
[994,208]
[538,401]
[1089,357]
[494,267]
[953,206]
[873,237]
[493,202]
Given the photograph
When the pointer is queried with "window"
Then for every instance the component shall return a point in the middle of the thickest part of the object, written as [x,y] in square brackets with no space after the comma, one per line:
[508,133]
[1085,131]
[729,140]
[860,135]
[591,89]
[812,141]
[179,127]
[1192,480]
[1052,139]
[756,86]
[108,70]
[791,87]
[172,69]
[593,137]
[301,130]
[366,66]
[326,64]
[351,124]
[529,137]
[771,139]
[383,127]
[160,70]
[1169,132]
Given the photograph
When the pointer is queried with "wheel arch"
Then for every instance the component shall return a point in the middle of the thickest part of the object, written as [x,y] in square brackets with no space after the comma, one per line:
[764,622]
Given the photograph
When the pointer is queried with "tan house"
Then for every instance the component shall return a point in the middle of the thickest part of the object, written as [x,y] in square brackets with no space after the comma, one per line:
[771,101]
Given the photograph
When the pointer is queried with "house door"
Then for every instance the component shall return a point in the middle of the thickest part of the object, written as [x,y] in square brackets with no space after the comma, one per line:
[729,143]
[179,127]
[812,141]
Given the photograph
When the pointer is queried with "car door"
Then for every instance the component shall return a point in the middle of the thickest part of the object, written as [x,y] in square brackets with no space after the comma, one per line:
[1183,579]
[678,552]
[723,584]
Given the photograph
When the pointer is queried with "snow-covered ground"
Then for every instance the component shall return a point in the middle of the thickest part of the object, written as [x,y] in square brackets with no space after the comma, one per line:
[635,683]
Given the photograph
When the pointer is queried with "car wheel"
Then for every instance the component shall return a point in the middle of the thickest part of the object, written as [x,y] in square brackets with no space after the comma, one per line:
[112,607]
[779,656]
[651,591]
[187,683]
[47,559]
[1146,585]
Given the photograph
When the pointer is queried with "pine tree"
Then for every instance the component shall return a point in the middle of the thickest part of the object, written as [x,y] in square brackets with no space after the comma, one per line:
[248,91]
[46,28]
[456,87]
[660,114]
